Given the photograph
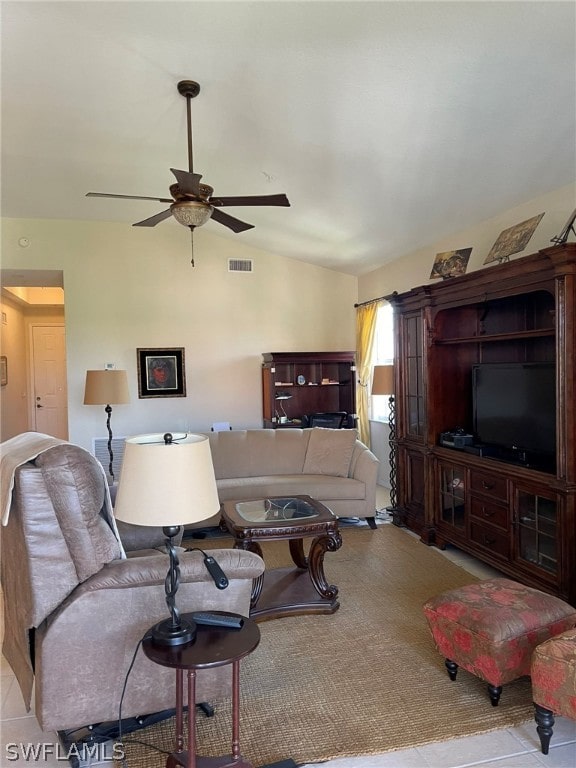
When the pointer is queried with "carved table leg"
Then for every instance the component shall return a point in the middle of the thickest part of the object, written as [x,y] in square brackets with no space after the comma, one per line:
[297,552]
[258,582]
[319,546]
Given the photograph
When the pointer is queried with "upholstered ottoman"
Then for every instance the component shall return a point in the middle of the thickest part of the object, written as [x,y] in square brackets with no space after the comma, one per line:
[492,627]
[553,675]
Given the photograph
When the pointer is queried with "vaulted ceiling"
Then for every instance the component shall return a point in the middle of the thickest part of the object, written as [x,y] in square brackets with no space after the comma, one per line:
[388,124]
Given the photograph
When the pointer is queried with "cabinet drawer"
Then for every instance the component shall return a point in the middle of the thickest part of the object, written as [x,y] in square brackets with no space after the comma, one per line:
[488,512]
[488,485]
[490,538]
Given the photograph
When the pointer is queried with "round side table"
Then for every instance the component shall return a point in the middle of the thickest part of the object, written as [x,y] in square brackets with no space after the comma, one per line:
[213,647]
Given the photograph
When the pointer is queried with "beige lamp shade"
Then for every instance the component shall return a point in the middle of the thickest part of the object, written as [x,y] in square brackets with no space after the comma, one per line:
[106,388]
[383,380]
[166,484]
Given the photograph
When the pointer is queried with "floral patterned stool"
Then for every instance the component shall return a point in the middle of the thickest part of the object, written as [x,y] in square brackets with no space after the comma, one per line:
[492,627]
[554,683]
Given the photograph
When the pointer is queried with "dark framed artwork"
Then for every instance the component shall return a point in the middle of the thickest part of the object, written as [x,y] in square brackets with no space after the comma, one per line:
[3,370]
[450,263]
[513,240]
[161,372]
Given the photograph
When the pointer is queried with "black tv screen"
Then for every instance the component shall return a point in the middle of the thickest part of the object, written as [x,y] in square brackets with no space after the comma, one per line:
[515,406]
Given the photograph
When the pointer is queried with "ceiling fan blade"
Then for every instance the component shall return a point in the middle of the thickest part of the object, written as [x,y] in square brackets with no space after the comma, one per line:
[130,197]
[153,220]
[251,200]
[230,221]
[189,183]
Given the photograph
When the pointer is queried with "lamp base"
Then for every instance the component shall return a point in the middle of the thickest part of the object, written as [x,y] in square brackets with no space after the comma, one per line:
[166,634]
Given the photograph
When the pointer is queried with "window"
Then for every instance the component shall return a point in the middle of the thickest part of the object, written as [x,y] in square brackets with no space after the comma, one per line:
[383,354]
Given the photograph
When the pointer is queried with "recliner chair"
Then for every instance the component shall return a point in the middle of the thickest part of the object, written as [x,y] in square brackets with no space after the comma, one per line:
[76,608]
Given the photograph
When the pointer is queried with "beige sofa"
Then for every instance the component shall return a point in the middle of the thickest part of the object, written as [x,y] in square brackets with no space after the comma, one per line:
[331,465]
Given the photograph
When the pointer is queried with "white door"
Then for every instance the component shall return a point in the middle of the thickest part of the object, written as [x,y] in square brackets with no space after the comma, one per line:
[49,373]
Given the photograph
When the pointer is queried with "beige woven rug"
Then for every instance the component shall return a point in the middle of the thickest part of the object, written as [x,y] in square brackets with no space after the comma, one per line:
[364,680]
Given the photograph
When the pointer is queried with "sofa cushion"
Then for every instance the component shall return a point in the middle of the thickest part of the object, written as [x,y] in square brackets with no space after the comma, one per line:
[75,483]
[322,487]
[329,452]
[254,452]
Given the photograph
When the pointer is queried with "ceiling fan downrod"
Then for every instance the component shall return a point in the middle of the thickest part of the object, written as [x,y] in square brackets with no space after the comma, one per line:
[189,89]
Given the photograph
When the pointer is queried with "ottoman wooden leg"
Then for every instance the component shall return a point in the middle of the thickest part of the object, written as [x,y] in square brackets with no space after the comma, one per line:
[544,725]
[494,691]
[452,668]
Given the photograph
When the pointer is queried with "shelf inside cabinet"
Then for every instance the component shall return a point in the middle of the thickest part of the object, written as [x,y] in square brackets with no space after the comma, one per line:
[482,339]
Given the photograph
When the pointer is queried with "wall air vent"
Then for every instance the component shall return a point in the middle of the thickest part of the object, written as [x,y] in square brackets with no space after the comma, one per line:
[100,450]
[240,265]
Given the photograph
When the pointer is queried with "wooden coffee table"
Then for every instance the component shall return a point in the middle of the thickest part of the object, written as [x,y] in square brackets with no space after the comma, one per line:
[287,591]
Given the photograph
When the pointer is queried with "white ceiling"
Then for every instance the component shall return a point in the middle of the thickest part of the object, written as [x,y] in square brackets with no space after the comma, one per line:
[389,125]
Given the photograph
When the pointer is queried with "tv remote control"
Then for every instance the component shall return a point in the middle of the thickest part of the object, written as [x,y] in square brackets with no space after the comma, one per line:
[218,620]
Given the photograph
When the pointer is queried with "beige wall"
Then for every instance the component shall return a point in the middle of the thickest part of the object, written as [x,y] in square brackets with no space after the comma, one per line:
[412,270]
[127,288]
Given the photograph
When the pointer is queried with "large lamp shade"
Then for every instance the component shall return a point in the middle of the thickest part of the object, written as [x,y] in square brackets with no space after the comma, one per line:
[166,483]
[383,380]
[106,388]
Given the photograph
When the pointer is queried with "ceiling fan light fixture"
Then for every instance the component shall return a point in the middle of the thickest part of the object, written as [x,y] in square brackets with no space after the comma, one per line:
[191,213]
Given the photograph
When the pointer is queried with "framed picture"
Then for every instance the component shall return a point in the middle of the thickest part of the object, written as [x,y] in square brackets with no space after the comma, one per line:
[161,372]
[513,240]
[3,370]
[450,263]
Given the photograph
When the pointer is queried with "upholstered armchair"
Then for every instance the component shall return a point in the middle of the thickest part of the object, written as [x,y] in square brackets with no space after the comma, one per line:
[553,674]
[76,606]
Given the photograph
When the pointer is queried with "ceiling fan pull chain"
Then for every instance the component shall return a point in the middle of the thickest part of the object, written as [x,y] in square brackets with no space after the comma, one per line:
[192,245]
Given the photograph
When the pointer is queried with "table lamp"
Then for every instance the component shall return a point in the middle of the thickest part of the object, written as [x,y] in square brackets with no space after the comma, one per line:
[107,388]
[169,479]
[383,384]
[281,415]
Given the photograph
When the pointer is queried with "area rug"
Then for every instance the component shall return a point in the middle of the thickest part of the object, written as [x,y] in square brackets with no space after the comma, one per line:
[362,681]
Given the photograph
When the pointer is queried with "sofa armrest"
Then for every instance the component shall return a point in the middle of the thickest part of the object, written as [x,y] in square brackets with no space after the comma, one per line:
[364,467]
[151,570]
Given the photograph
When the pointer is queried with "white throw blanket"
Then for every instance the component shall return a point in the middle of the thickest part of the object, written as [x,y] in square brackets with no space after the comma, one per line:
[26,447]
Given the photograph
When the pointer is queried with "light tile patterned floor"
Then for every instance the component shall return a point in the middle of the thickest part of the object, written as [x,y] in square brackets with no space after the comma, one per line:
[510,748]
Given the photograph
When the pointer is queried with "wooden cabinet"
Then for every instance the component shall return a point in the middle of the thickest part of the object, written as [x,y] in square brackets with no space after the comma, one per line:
[509,510]
[297,384]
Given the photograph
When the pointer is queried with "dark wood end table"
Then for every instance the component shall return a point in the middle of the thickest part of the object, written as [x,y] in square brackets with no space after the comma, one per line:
[213,647]
[287,591]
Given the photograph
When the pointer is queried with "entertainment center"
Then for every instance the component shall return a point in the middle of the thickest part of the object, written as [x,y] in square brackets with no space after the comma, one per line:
[486,416]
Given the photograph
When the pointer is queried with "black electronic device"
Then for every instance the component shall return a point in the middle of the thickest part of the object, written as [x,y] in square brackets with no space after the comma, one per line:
[220,578]
[217,619]
[456,438]
[514,407]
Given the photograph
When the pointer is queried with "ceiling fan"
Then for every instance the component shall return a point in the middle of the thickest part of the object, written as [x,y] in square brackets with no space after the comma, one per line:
[193,203]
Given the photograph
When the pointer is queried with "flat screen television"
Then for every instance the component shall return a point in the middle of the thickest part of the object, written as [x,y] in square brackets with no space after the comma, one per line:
[515,410]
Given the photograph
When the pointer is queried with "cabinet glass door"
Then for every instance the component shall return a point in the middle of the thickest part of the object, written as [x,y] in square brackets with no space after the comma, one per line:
[416,414]
[452,495]
[537,521]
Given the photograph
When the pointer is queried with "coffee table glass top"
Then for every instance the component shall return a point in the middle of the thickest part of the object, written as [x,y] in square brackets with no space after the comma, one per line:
[266,510]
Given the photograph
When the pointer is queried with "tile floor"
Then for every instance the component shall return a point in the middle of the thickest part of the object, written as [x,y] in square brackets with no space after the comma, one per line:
[510,748]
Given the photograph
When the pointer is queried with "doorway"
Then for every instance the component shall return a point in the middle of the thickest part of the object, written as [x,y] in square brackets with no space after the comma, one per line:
[33,340]
[48,380]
